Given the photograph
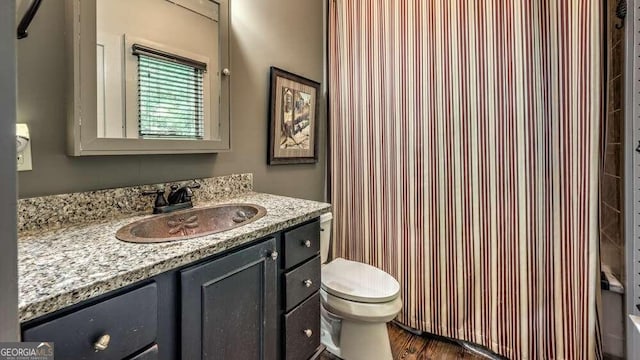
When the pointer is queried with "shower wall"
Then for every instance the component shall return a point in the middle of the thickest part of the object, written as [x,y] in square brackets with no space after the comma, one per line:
[612,237]
[611,208]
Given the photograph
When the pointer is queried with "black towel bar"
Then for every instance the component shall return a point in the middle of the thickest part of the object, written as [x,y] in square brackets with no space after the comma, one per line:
[27,18]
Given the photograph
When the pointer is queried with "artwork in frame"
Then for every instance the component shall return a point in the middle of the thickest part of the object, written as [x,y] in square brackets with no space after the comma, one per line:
[293,123]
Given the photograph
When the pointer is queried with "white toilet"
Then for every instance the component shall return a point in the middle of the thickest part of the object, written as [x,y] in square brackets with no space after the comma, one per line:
[357,302]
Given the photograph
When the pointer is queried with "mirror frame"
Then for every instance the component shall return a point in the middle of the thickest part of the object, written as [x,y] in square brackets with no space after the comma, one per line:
[82,135]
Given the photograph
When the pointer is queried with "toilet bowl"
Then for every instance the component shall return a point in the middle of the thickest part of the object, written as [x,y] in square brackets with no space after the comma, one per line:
[357,302]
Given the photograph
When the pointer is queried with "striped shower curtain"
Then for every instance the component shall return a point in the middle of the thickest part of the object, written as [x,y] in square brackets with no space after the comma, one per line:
[464,162]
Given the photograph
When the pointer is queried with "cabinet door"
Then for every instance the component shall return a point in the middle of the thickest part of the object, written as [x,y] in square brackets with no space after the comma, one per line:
[229,306]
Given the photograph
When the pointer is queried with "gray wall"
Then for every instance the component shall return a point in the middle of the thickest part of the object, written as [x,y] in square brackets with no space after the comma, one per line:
[284,33]
[8,248]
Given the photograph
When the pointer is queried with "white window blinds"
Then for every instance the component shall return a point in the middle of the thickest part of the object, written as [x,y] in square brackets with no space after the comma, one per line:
[170,95]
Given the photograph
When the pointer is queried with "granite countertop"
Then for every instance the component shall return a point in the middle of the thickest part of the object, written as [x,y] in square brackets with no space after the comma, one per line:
[62,267]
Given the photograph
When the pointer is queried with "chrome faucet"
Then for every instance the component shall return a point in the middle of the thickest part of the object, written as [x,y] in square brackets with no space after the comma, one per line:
[179,198]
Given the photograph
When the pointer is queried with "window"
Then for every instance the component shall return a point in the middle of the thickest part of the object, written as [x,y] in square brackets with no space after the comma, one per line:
[170,95]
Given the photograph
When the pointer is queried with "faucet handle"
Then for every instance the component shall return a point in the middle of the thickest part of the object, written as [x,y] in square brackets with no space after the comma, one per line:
[159,193]
[152,192]
[189,189]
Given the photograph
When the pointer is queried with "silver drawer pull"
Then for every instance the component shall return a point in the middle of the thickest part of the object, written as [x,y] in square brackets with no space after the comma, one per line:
[308,332]
[308,283]
[307,243]
[274,255]
[102,343]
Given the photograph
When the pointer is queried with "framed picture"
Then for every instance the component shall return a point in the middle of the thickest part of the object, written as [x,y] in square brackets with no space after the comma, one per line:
[293,123]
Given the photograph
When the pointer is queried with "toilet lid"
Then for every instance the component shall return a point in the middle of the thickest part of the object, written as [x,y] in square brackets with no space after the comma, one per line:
[359,282]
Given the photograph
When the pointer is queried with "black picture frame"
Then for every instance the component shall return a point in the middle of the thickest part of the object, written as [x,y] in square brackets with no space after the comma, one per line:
[293,119]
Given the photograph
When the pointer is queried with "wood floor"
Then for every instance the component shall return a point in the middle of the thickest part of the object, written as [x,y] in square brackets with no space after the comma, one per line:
[406,346]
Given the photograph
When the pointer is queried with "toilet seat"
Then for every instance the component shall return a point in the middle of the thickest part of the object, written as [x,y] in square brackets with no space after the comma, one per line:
[355,281]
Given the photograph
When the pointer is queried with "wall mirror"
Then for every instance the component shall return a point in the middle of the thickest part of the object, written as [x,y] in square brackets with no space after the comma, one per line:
[148,76]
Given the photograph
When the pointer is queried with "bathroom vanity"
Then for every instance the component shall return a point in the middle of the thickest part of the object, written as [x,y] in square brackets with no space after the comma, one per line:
[248,293]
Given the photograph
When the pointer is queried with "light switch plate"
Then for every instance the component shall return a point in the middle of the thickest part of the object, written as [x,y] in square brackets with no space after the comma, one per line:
[24,157]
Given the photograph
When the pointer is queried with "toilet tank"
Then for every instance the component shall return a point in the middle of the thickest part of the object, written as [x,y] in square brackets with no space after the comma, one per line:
[325,236]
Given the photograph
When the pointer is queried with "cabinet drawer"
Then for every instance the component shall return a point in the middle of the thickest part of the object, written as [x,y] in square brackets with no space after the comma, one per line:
[130,320]
[301,243]
[298,323]
[149,354]
[302,282]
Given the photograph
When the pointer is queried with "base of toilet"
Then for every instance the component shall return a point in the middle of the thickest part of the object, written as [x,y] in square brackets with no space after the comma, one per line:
[357,340]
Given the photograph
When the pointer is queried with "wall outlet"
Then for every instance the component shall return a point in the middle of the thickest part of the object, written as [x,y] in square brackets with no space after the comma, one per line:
[23,160]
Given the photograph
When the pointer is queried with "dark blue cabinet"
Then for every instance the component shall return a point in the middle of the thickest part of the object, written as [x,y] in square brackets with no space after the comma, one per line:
[257,301]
